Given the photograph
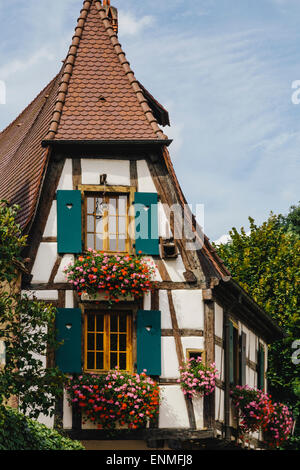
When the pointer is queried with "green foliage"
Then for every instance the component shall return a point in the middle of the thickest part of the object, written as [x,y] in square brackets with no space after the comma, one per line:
[27,326]
[11,241]
[18,432]
[266,263]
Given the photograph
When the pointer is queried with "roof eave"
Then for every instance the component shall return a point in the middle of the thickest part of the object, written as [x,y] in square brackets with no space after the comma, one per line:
[154,142]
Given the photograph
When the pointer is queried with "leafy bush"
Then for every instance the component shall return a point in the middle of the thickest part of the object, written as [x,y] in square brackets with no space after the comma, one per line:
[17,432]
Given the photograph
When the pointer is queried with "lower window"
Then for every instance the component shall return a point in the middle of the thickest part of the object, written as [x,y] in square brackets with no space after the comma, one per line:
[108,341]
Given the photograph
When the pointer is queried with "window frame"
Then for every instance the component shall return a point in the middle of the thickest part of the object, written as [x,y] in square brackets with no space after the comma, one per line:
[96,190]
[193,351]
[106,338]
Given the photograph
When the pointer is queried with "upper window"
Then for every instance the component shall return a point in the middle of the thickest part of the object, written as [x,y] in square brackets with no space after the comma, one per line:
[107,222]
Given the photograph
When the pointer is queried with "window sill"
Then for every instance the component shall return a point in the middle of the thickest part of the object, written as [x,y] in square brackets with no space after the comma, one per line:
[103,297]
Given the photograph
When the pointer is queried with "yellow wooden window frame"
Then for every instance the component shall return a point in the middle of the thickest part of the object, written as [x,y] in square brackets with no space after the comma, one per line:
[201,352]
[106,192]
[107,340]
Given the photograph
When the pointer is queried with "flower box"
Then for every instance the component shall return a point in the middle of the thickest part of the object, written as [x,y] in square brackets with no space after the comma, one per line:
[110,277]
[102,297]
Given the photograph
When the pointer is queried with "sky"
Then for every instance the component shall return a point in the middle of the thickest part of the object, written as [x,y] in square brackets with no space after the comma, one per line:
[224,69]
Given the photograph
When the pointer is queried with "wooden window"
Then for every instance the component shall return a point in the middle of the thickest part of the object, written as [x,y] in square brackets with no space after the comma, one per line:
[107,222]
[194,353]
[234,352]
[108,341]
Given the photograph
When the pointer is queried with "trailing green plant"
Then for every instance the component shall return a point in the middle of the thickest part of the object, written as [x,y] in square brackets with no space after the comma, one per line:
[197,378]
[115,399]
[18,432]
[114,274]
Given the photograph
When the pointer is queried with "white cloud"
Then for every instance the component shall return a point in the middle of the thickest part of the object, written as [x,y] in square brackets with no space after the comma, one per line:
[132,26]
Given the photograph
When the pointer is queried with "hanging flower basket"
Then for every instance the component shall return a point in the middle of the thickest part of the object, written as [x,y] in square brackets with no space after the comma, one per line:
[257,412]
[116,399]
[253,406]
[196,378]
[111,277]
[279,426]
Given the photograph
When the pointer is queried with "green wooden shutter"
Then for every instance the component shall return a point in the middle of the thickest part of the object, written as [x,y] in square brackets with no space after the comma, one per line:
[69,221]
[261,368]
[243,338]
[146,223]
[68,325]
[231,353]
[149,341]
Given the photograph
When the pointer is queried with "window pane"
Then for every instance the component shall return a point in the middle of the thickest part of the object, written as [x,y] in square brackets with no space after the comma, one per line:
[114,323]
[90,360]
[122,205]
[122,359]
[99,225]
[114,342]
[113,245]
[121,245]
[91,322]
[90,223]
[122,323]
[91,341]
[122,225]
[90,241]
[99,241]
[99,207]
[112,225]
[113,360]
[90,205]
[99,342]
[122,342]
[112,206]
[100,322]
[99,361]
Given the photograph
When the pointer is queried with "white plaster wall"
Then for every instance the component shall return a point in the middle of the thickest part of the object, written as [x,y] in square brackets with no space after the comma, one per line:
[67,413]
[44,262]
[175,269]
[219,404]
[166,322]
[66,179]
[218,321]
[117,171]
[198,411]
[147,301]
[60,276]
[192,342]
[219,360]
[145,181]
[189,308]
[173,412]
[41,294]
[169,361]
[69,299]
[51,225]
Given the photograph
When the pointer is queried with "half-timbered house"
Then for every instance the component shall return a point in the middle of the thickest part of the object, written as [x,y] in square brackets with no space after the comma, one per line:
[92,137]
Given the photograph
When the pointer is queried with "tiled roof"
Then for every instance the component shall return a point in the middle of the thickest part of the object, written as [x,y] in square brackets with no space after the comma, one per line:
[99,97]
[22,158]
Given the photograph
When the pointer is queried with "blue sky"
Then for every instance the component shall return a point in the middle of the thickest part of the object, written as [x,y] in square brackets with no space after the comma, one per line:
[223,68]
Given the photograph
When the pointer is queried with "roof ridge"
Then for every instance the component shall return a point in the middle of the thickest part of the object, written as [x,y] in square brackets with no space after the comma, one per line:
[68,69]
[129,73]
